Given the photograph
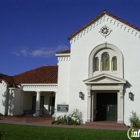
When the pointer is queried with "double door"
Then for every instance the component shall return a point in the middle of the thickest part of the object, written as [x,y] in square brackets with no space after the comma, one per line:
[111,112]
[106,107]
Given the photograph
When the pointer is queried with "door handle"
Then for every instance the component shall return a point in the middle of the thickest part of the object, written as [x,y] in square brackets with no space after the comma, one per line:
[108,108]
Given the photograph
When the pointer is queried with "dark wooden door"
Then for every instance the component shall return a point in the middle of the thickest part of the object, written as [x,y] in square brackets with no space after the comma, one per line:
[111,112]
[106,101]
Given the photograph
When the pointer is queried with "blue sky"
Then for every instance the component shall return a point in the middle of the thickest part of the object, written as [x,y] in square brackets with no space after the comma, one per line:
[31,31]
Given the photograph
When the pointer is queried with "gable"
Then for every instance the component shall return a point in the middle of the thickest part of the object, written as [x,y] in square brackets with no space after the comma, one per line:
[104,79]
[109,17]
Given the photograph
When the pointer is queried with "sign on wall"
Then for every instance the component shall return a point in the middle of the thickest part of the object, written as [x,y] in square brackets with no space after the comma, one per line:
[63,108]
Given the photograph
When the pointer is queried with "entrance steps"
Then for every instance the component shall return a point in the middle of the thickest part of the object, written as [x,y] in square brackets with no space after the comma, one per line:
[105,124]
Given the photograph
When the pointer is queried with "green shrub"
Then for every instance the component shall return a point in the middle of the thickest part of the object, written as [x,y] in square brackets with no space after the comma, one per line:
[72,119]
[60,120]
[134,120]
[77,116]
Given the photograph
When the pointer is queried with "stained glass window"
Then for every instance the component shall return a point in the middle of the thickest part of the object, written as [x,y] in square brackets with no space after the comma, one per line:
[96,64]
[114,60]
[105,62]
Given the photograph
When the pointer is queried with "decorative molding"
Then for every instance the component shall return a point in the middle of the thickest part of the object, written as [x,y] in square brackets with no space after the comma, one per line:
[105,31]
[63,58]
[105,87]
[39,87]
[62,54]
[99,21]
[106,46]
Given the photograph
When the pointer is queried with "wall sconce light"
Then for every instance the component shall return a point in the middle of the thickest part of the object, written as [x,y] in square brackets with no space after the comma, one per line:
[81,95]
[131,95]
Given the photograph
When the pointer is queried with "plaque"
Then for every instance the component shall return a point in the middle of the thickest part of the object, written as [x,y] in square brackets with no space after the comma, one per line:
[63,108]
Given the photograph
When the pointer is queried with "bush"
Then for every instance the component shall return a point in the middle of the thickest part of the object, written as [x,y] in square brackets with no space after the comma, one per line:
[60,120]
[134,120]
[77,116]
[72,119]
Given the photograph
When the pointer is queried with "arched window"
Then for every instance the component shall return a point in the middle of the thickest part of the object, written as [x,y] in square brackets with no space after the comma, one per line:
[105,62]
[106,58]
[114,61]
[96,64]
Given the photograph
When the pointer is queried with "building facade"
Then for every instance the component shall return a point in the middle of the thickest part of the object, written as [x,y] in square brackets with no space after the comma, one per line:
[98,75]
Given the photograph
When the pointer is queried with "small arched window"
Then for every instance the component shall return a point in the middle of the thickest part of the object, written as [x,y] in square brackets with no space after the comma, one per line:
[114,61]
[105,62]
[96,64]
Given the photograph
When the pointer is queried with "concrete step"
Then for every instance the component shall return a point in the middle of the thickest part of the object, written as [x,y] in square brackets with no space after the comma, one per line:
[105,124]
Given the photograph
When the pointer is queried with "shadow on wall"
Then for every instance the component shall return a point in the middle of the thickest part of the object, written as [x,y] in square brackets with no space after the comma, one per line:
[4,102]
[129,94]
[127,85]
[8,103]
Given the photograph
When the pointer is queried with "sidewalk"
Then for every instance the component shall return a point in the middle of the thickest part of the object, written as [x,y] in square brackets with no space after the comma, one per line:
[46,121]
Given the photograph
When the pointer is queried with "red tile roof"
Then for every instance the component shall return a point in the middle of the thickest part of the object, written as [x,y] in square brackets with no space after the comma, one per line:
[44,74]
[6,78]
[65,51]
[99,16]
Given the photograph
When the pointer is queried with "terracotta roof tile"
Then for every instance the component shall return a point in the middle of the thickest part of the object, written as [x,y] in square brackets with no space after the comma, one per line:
[96,18]
[7,79]
[65,51]
[44,74]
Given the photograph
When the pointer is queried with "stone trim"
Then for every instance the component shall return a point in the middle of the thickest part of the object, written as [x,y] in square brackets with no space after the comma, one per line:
[39,87]
[106,46]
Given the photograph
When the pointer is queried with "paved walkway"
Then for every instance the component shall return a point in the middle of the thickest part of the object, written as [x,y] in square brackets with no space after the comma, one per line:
[46,121]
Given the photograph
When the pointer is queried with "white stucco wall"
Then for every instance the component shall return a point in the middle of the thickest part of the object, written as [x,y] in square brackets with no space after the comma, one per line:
[63,82]
[126,40]
[3,94]
[14,102]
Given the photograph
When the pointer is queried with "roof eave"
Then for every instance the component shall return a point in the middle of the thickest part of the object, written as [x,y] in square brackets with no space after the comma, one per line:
[83,27]
[99,16]
[62,54]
